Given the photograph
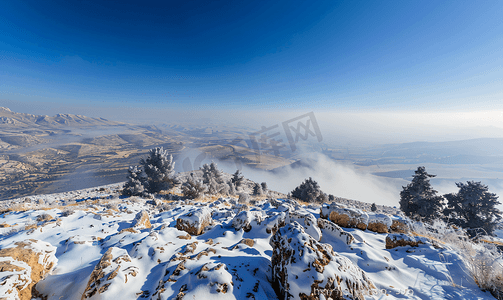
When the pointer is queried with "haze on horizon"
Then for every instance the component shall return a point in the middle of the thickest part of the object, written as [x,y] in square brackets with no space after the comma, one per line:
[152,60]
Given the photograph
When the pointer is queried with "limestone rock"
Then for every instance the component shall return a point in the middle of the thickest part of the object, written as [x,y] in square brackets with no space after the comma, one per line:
[194,221]
[399,225]
[379,223]
[332,230]
[22,266]
[348,217]
[306,269]
[401,239]
[141,220]
[112,271]
[247,219]
[307,220]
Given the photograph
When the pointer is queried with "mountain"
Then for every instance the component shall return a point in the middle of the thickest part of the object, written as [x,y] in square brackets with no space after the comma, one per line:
[96,244]
[14,119]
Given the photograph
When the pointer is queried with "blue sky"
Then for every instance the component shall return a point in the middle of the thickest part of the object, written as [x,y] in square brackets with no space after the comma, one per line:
[202,55]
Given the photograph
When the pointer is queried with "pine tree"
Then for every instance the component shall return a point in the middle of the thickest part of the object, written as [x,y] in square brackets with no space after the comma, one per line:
[473,207]
[211,171]
[309,191]
[232,188]
[237,179]
[419,200]
[159,168]
[264,187]
[257,190]
[193,188]
[135,185]
[373,207]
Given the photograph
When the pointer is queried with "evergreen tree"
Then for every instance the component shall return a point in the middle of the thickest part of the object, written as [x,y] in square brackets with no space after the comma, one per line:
[232,188]
[309,191]
[237,179]
[257,190]
[264,187]
[135,185]
[193,188]
[373,207]
[211,171]
[159,168]
[418,199]
[473,207]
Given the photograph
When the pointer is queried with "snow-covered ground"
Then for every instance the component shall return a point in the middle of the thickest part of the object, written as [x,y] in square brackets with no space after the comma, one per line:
[105,250]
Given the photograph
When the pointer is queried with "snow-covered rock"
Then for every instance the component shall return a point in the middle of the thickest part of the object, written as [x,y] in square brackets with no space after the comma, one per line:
[401,239]
[110,275]
[23,265]
[349,217]
[306,269]
[330,229]
[307,220]
[141,220]
[379,223]
[194,221]
[400,225]
[247,219]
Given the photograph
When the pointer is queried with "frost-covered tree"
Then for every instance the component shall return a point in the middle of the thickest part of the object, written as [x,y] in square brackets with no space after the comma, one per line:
[257,190]
[243,198]
[211,171]
[473,207]
[309,191]
[373,207]
[418,200]
[135,185]
[193,188]
[264,187]
[232,188]
[159,168]
[237,179]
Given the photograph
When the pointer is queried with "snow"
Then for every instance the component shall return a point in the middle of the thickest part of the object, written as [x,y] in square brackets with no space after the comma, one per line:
[214,264]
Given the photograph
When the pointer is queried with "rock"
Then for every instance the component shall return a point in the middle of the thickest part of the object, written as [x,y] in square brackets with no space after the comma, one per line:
[330,229]
[379,223]
[110,275]
[194,221]
[273,222]
[401,239]
[307,220]
[349,217]
[248,242]
[207,279]
[141,220]
[400,225]
[22,266]
[326,209]
[246,219]
[303,268]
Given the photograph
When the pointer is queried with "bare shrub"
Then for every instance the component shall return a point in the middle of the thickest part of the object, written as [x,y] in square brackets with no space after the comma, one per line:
[44,217]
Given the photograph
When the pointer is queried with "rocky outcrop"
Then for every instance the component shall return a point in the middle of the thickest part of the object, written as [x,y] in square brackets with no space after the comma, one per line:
[23,265]
[307,220]
[303,268]
[379,223]
[399,225]
[194,221]
[247,219]
[141,220]
[112,271]
[330,229]
[350,218]
[401,239]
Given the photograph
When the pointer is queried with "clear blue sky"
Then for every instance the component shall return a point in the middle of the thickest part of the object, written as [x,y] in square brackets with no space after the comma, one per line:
[387,55]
